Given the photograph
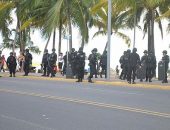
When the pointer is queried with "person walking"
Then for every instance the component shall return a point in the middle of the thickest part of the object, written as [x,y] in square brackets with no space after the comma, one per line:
[134,60]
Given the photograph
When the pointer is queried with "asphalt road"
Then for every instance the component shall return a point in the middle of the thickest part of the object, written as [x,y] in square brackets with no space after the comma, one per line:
[28,104]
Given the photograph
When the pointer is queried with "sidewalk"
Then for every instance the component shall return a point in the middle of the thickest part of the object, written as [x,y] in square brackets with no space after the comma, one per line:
[114,81]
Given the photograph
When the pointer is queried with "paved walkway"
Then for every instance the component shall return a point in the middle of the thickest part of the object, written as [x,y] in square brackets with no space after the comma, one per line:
[114,81]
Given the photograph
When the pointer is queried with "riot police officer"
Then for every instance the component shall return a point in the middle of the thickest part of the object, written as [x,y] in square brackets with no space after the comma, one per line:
[12,63]
[45,62]
[150,66]
[52,63]
[165,60]
[92,63]
[143,65]
[134,60]
[0,61]
[122,65]
[72,61]
[28,62]
[103,64]
[125,64]
[80,63]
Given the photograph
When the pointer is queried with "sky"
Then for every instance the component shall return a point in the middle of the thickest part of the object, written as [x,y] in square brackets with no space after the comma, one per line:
[118,45]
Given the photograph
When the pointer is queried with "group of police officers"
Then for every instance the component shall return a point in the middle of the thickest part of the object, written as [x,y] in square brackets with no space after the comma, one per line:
[130,62]
[144,68]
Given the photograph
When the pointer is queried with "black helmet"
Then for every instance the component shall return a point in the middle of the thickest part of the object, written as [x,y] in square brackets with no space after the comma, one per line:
[72,49]
[11,53]
[95,49]
[53,49]
[128,51]
[46,50]
[81,49]
[124,52]
[134,49]
[27,50]
[145,51]
[164,52]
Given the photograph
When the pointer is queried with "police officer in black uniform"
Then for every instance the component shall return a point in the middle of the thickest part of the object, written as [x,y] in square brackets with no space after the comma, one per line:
[28,62]
[125,63]
[80,64]
[11,63]
[150,66]
[134,60]
[52,63]
[165,60]
[144,60]
[122,65]
[92,63]
[45,62]
[72,61]
[103,64]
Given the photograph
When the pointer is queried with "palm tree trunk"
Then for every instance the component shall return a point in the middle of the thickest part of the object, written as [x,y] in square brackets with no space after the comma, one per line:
[60,35]
[47,43]
[151,46]
[54,34]
[69,25]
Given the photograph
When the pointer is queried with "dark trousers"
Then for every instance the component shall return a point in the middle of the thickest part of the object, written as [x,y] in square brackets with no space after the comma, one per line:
[12,69]
[92,71]
[149,73]
[51,70]
[165,74]
[131,73]
[26,69]
[80,72]
[45,68]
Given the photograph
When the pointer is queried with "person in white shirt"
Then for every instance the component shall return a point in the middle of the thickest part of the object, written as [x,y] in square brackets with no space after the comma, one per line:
[60,62]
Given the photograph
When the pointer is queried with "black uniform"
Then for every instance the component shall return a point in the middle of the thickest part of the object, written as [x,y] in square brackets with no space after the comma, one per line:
[45,62]
[80,63]
[72,61]
[122,65]
[103,64]
[65,63]
[150,67]
[28,62]
[12,63]
[52,63]
[134,60]
[125,64]
[92,63]
[165,60]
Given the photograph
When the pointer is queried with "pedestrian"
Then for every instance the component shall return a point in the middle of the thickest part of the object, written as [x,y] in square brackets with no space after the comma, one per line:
[80,64]
[144,68]
[117,70]
[165,60]
[121,61]
[0,61]
[21,59]
[52,63]
[134,60]
[150,67]
[45,62]
[103,64]
[92,63]
[60,62]
[12,63]
[27,62]
[3,63]
[72,61]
